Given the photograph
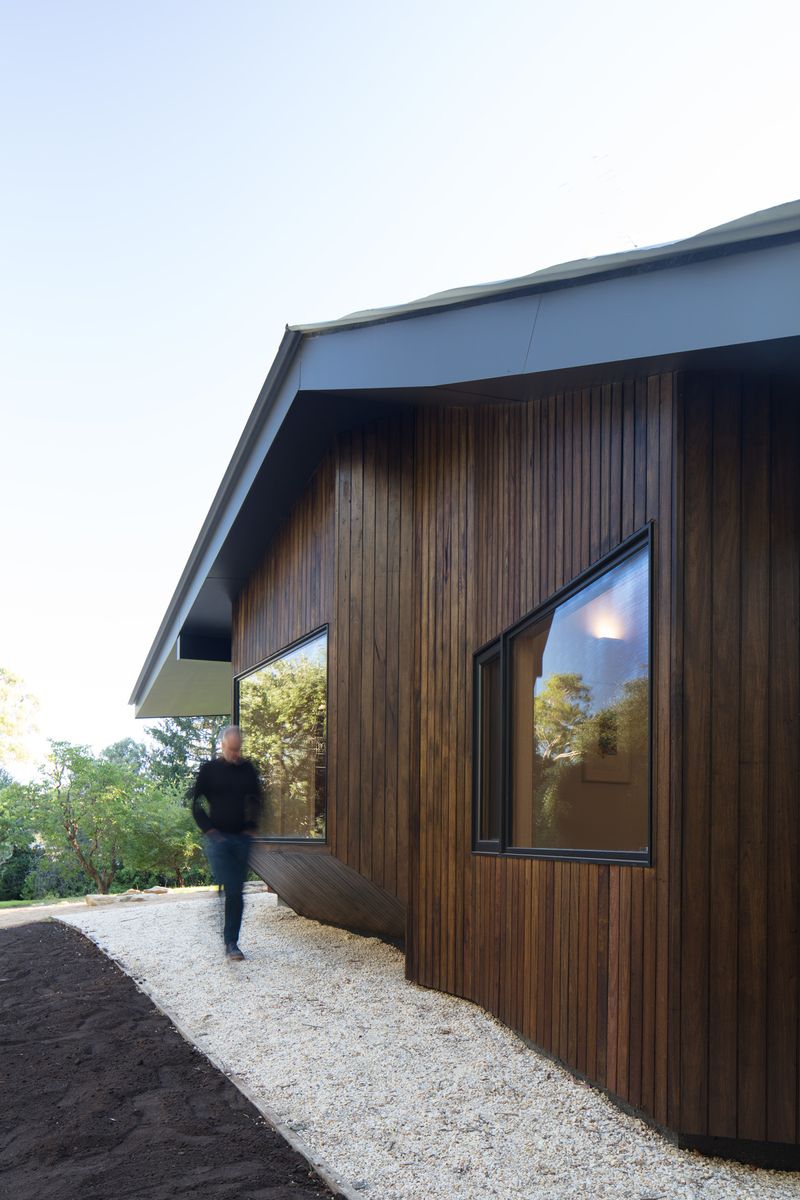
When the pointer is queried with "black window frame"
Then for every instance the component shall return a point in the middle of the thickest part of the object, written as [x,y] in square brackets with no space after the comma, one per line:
[484,656]
[643,538]
[289,649]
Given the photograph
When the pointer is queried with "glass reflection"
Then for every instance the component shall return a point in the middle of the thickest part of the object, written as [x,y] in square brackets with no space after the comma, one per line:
[580,718]
[283,715]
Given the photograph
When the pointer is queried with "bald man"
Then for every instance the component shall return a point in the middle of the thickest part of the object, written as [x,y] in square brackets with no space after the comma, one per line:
[231,788]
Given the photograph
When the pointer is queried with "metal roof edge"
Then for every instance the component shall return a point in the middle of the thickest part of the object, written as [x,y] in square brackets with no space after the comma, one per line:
[766,227]
[287,351]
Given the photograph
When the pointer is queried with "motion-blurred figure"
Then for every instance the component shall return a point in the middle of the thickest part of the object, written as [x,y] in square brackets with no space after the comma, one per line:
[231,788]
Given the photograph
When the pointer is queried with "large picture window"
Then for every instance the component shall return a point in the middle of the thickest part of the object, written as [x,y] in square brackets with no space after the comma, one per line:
[282,709]
[575,744]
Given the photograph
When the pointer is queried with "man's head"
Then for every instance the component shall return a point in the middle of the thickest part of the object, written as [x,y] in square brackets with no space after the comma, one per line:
[231,743]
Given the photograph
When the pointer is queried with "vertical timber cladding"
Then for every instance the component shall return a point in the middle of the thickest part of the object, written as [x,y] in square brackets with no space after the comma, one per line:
[343,558]
[372,696]
[422,536]
[292,592]
[740,762]
[512,501]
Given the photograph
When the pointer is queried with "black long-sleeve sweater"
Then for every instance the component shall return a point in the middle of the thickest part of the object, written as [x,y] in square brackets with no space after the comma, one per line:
[233,794]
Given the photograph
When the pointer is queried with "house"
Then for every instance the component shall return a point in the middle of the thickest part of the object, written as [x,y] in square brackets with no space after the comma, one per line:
[503,586]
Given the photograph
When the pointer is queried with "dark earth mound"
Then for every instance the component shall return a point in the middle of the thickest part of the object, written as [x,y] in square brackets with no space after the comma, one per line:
[104,1100]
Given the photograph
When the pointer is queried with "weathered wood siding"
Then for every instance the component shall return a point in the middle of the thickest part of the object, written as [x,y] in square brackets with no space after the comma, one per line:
[421,537]
[343,558]
[739,763]
[511,503]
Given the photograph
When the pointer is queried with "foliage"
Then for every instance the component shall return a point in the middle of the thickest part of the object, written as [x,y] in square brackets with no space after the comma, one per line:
[16,831]
[14,870]
[17,712]
[567,731]
[128,753]
[181,745]
[90,804]
[166,839]
[560,711]
[101,822]
[283,711]
[52,876]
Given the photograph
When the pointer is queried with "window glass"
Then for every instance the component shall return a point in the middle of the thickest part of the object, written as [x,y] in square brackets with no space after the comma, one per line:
[283,716]
[489,749]
[579,718]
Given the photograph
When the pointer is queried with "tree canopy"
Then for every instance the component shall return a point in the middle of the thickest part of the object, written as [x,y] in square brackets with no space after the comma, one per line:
[283,711]
[91,821]
[17,716]
[181,745]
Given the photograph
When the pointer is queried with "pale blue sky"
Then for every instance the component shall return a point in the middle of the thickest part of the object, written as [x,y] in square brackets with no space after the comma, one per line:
[179,180]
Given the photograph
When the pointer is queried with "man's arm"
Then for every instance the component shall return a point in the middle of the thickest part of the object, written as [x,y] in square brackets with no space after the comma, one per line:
[198,812]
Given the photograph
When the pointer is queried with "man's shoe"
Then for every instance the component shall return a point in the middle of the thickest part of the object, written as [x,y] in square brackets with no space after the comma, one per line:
[233,952]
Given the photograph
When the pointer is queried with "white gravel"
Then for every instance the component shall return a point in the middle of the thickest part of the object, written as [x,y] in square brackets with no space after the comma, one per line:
[408,1094]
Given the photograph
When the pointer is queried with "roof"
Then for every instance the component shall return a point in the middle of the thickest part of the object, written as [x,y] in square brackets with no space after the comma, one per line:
[784,219]
[719,293]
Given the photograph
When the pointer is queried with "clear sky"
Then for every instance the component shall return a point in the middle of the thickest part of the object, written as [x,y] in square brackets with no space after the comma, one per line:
[181,179]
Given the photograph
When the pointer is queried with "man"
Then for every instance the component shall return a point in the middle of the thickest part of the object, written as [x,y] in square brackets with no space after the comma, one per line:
[231,787]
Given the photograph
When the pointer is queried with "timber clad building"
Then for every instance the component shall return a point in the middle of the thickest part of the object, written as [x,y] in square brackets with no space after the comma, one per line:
[503,587]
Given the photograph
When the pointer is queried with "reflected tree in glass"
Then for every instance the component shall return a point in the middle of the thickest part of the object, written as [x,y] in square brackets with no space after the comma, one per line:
[283,715]
[580,718]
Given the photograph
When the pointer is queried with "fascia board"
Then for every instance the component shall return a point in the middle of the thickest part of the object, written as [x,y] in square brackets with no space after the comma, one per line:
[755,230]
[723,302]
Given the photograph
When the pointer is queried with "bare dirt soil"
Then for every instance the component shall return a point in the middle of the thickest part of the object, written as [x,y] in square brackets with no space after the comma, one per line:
[102,1097]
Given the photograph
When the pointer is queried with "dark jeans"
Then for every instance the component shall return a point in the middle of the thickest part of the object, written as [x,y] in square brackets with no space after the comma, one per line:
[228,854]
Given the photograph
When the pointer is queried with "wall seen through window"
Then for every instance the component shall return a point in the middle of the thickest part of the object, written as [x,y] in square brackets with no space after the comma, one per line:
[283,715]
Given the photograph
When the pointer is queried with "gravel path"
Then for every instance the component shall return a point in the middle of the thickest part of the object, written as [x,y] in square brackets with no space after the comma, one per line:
[408,1094]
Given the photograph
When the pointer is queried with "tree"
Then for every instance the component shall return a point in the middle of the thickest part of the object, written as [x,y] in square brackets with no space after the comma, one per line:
[17,712]
[128,753]
[284,711]
[166,839]
[567,732]
[89,804]
[18,852]
[182,744]
[15,830]
[559,712]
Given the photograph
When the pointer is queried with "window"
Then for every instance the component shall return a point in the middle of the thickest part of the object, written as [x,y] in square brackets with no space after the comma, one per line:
[282,709]
[489,749]
[574,744]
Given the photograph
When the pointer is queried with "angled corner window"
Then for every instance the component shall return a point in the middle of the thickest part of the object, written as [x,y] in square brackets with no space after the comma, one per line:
[282,710]
[489,749]
[576,727]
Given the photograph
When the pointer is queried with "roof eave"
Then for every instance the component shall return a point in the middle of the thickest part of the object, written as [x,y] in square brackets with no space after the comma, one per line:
[169,628]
